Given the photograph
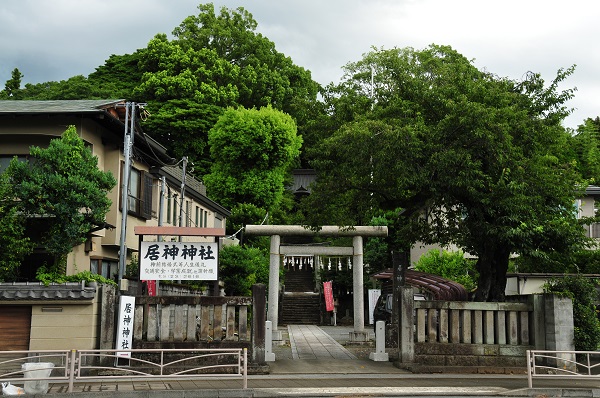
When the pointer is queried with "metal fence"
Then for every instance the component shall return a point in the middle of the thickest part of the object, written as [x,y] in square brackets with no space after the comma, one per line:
[562,364]
[143,364]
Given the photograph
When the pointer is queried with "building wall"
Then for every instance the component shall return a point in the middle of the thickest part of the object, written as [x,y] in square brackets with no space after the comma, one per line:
[76,326]
[104,244]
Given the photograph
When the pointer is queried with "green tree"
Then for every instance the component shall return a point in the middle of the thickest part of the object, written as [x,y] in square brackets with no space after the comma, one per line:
[63,184]
[252,151]
[241,267]
[469,158]
[586,149]
[12,88]
[15,245]
[265,76]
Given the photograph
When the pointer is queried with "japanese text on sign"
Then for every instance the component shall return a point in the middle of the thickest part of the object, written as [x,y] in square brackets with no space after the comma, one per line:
[178,261]
[125,326]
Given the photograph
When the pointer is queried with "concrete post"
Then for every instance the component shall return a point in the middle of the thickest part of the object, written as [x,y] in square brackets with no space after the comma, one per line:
[379,354]
[273,304]
[269,354]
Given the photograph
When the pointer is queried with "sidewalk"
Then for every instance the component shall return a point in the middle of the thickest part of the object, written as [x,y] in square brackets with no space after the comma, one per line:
[315,362]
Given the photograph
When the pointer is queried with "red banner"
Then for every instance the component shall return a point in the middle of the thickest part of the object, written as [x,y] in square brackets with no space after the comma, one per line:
[328,293]
[151,286]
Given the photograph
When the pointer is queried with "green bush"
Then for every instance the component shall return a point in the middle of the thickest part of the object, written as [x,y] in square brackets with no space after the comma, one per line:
[450,265]
[241,267]
[48,275]
[583,292]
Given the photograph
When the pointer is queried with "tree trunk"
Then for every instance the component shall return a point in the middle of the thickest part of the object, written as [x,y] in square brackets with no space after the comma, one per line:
[492,265]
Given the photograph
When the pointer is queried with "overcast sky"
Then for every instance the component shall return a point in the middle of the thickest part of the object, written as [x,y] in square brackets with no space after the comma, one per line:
[54,40]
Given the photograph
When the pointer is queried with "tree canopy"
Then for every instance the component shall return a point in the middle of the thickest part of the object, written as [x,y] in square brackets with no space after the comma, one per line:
[252,151]
[62,184]
[466,157]
[438,150]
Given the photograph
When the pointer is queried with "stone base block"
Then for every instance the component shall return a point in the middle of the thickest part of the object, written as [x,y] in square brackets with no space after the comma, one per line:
[379,356]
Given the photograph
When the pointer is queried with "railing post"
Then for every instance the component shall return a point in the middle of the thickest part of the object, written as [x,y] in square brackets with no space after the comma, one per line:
[529,377]
[245,383]
[71,370]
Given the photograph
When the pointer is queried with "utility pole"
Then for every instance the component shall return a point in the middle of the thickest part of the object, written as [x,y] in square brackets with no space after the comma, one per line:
[161,210]
[181,212]
[130,111]
[128,144]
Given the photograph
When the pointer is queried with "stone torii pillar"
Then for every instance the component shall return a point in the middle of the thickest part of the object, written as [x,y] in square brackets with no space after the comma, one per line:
[357,233]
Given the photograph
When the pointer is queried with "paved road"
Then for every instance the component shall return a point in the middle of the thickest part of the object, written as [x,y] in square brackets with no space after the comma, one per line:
[316,364]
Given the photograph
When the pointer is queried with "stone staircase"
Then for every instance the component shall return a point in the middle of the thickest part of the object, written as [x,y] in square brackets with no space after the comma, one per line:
[300,304]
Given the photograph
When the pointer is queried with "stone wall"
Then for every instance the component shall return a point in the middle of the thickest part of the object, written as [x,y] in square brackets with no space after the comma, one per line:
[483,337]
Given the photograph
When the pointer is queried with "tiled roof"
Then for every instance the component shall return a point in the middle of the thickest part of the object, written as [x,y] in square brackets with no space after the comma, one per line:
[58,106]
[38,291]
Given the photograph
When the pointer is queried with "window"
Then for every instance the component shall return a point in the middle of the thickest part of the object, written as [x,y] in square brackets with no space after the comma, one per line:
[134,191]
[197,216]
[107,268]
[140,193]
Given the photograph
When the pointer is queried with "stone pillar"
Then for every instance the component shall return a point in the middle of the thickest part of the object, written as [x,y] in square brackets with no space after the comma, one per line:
[273,304]
[258,323]
[359,333]
[407,334]
[539,321]
[560,334]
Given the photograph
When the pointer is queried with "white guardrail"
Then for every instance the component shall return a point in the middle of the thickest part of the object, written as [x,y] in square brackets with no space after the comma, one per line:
[562,364]
[142,364]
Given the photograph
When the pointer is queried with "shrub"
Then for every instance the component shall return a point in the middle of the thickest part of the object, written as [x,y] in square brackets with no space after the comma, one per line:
[450,265]
[241,267]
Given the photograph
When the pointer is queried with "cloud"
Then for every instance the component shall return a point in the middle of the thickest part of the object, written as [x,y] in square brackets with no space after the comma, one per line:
[63,38]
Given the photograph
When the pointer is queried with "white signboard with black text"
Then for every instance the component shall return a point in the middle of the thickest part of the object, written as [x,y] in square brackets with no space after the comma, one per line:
[125,326]
[373,296]
[178,261]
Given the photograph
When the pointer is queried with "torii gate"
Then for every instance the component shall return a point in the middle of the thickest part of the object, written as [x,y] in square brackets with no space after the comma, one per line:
[357,233]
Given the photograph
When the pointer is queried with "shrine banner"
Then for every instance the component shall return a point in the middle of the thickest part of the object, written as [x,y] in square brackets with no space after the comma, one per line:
[151,287]
[328,293]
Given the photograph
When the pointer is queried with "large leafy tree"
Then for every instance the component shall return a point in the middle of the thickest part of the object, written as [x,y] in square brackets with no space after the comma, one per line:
[62,184]
[467,158]
[252,151]
[266,76]
[216,60]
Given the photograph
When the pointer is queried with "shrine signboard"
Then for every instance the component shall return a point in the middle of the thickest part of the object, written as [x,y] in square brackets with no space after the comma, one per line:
[178,261]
